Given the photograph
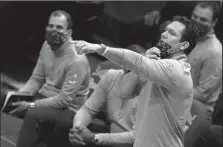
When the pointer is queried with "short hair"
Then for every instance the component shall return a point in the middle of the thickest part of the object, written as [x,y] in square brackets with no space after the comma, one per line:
[189,34]
[63,13]
[214,5]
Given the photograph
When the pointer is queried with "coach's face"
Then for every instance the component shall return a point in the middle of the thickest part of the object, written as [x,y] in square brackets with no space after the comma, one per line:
[173,33]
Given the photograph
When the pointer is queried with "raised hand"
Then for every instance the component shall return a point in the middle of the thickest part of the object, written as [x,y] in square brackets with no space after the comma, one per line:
[153,53]
[83,47]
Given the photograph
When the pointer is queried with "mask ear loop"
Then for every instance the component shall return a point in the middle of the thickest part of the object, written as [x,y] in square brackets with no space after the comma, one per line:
[175,48]
[66,34]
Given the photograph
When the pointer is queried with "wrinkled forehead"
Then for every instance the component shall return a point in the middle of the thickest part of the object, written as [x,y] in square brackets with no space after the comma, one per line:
[205,13]
[58,21]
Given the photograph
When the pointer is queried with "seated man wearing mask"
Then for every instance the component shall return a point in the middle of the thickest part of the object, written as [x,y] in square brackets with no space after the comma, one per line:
[60,82]
[165,100]
[206,70]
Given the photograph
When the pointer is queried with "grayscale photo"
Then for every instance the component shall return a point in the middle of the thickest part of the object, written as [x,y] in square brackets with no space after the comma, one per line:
[111,73]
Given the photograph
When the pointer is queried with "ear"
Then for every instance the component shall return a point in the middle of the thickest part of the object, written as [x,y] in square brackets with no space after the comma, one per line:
[214,22]
[185,45]
[70,32]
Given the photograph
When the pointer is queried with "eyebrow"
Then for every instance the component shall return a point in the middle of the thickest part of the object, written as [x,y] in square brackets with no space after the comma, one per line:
[58,26]
[202,18]
[171,29]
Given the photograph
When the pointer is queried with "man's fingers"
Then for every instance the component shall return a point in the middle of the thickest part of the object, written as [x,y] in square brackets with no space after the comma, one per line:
[152,57]
[153,54]
[75,139]
[75,142]
[70,135]
[78,142]
[14,110]
[78,128]
[78,137]
[84,50]
[75,136]
[75,41]
[16,103]
[153,51]
[157,53]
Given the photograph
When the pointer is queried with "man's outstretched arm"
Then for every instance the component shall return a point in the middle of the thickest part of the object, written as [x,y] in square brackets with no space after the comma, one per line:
[163,72]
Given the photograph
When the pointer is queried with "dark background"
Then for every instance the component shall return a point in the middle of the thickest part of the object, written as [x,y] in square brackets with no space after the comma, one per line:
[22,28]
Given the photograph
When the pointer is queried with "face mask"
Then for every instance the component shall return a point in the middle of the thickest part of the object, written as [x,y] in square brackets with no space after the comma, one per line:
[202,29]
[166,49]
[55,39]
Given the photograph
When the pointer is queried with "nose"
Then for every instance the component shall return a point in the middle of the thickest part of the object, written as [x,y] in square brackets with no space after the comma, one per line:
[197,20]
[54,28]
[164,35]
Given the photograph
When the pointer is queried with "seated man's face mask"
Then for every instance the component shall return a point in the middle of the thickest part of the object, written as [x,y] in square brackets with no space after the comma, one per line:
[166,49]
[55,39]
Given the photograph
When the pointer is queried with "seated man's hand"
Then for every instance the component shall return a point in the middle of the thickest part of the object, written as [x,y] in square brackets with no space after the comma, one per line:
[153,53]
[74,136]
[87,135]
[23,105]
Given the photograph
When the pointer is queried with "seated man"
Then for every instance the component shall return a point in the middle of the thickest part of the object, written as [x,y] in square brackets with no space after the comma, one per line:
[165,100]
[60,82]
[115,96]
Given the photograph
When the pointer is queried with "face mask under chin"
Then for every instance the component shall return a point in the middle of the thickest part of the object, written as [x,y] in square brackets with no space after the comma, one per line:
[167,50]
[163,47]
[55,39]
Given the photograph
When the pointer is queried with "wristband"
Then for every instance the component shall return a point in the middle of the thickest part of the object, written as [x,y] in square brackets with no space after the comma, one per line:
[96,139]
[32,105]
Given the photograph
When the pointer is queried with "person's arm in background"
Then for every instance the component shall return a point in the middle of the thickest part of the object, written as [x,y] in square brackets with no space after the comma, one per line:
[74,78]
[209,84]
[94,104]
[37,79]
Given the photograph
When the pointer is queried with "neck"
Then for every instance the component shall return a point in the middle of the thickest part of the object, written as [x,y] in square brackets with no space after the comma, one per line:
[211,31]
